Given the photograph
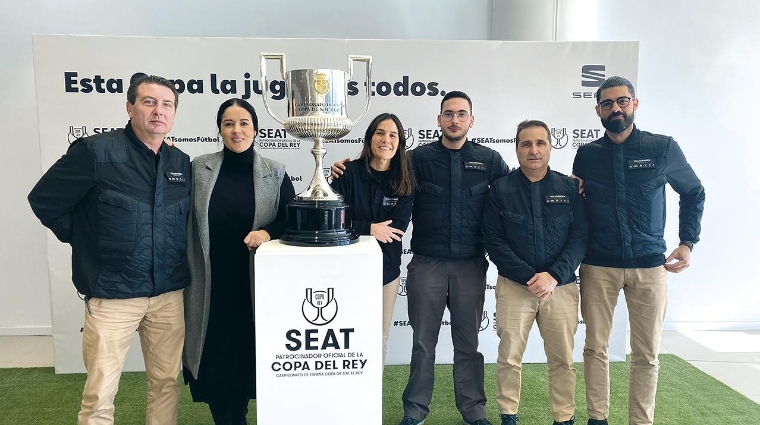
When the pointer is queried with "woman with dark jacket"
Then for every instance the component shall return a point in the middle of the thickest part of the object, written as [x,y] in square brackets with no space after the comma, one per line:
[237,203]
[379,187]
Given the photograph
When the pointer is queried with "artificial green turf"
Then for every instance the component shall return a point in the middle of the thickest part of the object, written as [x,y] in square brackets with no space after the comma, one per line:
[686,396]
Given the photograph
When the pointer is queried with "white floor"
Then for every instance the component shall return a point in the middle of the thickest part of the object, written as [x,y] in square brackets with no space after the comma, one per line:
[732,357]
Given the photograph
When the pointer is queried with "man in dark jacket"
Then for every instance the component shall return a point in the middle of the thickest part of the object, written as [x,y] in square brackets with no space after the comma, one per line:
[121,200]
[448,268]
[623,177]
[535,231]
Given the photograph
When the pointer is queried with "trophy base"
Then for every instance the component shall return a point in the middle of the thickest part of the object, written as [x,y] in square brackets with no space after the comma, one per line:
[318,223]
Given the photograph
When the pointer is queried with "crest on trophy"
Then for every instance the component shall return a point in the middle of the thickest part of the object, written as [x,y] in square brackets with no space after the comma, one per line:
[319,307]
[321,85]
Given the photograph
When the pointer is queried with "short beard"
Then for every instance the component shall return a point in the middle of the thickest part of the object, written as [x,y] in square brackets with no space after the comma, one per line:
[454,139]
[617,127]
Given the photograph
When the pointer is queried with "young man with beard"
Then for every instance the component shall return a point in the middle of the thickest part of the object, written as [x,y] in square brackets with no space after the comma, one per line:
[448,268]
[623,178]
[535,231]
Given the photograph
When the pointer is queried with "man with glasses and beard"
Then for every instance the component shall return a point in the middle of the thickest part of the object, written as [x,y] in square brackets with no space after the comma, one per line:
[623,178]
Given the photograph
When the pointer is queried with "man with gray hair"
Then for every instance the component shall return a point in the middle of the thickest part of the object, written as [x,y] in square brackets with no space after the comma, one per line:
[623,178]
[120,199]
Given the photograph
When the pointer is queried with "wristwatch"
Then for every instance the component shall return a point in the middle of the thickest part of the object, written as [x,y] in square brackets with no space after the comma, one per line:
[688,244]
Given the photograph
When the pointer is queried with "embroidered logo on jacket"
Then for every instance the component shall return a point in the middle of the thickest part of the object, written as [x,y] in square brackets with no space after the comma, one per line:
[557,199]
[638,164]
[474,165]
[175,177]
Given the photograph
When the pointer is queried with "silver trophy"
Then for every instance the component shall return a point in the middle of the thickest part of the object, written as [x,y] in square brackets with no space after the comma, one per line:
[317,110]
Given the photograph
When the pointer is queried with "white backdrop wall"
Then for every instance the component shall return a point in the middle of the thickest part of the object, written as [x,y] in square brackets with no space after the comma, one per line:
[24,289]
[205,69]
[697,69]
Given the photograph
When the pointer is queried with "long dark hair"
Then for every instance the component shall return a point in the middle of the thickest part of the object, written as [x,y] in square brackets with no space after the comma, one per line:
[402,178]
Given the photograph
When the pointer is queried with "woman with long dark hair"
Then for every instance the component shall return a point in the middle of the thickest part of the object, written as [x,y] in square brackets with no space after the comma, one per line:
[379,187]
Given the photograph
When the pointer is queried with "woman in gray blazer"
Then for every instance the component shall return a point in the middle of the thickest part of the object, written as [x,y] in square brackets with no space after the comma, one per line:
[238,202]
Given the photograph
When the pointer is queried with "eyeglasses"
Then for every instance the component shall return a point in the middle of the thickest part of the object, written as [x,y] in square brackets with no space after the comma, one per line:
[622,102]
[449,115]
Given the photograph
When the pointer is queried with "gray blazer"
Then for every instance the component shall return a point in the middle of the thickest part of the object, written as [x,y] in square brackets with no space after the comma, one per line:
[267,178]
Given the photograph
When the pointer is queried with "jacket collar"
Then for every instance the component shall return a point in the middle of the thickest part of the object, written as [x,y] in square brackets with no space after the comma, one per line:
[136,141]
[465,147]
[524,178]
[633,137]
[364,173]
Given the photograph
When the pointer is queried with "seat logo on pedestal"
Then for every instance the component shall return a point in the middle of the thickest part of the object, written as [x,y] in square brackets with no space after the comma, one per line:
[319,307]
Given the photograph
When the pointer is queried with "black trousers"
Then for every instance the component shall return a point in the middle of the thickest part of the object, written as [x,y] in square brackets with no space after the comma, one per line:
[229,412]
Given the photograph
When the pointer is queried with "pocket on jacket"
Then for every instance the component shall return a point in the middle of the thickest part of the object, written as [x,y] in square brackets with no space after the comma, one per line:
[652,206]
[431,206]
[599,208]
[512,217]
[562,221]
[593,188]
[118,222]
[176,215]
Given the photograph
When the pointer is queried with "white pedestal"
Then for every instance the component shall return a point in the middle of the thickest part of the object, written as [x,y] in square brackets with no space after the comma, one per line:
[318,334]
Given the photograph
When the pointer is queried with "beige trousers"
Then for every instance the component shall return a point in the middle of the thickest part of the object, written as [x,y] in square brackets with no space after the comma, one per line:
[390,292]
[646,294]
[109,327]
[557,317]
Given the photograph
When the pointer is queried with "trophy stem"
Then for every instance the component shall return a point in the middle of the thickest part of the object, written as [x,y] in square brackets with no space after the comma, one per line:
[319,189]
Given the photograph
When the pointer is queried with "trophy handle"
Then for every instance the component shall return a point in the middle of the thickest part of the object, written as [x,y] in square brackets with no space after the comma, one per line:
[368,61]
[265,83]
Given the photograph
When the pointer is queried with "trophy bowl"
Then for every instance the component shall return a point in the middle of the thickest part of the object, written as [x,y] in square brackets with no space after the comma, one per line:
[317,110]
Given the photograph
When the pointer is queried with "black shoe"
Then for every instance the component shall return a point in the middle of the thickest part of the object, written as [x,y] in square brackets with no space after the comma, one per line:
[597,422]
[570,421]
[481,421]
[411,421]
[509,419]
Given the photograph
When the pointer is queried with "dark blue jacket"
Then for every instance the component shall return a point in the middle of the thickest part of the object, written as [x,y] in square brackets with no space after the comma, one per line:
[372,201]
[625,198]
[124,210]
[533,227]
[448,207]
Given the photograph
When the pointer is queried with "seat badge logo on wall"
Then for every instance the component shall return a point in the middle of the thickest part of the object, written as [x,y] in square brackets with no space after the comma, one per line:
[559,137]
[321,85]
[402,287]
[77,132]
[409,138]
[319,307]
[484,322]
